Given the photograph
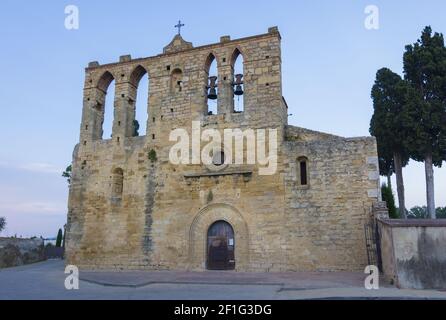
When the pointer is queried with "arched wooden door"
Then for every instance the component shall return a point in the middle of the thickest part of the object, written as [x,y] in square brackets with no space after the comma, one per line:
[220,246]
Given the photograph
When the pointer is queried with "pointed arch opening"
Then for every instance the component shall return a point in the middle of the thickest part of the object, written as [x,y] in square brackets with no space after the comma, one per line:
[105,104]
[238,73]
[211,84]
[141,83]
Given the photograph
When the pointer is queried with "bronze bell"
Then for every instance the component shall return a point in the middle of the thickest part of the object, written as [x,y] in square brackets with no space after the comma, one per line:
[212,85]
[212,94]
[238,85]
[238,90]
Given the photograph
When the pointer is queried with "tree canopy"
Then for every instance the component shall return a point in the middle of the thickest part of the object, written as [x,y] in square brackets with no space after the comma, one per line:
[67,173]
[425,69]
[390,94]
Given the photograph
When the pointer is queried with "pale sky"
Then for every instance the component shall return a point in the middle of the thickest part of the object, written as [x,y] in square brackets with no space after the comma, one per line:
[329,65]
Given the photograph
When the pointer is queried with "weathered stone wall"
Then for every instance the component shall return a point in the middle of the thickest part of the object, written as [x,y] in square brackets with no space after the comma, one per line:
[414,254]
[160,220]
[326,217]
[16,252]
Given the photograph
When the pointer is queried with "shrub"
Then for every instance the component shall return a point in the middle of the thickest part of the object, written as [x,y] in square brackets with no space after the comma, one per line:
[388,197]
[2,223]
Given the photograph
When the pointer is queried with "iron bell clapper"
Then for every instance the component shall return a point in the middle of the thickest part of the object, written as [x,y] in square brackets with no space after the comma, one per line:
[238,85]
[212,85]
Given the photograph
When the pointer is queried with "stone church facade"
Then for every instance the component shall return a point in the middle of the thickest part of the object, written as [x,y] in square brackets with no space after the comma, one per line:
[130,207]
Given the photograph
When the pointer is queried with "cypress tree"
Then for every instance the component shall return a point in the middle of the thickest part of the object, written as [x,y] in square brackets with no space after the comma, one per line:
[387,196]
[391,95]
[425,70]
[59,239]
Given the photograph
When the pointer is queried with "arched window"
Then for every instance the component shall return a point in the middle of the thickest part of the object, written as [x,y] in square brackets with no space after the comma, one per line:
[238,81]
[105,104]
[212,84]
[140,81]
[176,81]
[117,183]
[302,171]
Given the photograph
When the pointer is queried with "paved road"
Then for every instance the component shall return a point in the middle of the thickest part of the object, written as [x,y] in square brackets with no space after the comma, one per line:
[45,280]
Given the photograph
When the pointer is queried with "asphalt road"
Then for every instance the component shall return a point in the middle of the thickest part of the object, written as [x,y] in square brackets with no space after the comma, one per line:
[46,280]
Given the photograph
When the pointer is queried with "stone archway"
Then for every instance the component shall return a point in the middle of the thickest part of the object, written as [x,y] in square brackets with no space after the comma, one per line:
[199,231]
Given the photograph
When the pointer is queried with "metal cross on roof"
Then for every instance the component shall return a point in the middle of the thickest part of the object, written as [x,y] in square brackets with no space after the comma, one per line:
[179,25]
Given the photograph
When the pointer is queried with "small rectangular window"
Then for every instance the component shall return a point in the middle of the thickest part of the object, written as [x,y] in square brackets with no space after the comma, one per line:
[303,173]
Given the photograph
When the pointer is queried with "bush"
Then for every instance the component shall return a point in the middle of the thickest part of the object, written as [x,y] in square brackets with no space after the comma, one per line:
[441,213]
[388,197]
[152,156]
[2,223]
[418,212]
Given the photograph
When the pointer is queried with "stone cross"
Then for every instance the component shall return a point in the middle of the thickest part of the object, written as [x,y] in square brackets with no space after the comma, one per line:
[179,25]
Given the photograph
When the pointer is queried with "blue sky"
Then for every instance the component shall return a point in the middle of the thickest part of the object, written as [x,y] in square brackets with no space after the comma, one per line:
[329,64]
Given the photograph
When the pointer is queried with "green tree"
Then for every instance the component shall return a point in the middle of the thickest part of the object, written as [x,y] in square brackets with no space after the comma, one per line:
[425,70]
[59,238]
[390,96]
[67,173]
[418,212]
[387,196]
[421,213]
[2,223]
[441,213]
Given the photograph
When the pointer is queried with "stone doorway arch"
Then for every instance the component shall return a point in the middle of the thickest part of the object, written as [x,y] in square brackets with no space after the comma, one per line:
[198,233]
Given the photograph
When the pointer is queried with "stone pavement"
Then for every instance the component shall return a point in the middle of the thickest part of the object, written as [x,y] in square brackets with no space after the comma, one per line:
[45,280]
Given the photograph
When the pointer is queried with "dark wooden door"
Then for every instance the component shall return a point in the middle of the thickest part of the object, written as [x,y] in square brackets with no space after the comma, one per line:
[220,247]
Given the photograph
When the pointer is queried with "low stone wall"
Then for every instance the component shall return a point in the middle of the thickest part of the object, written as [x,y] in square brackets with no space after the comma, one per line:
[414,252]
[16,252]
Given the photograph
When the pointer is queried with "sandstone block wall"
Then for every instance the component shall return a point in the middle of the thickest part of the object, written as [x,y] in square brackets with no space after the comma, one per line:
[326,217]
[134,211]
